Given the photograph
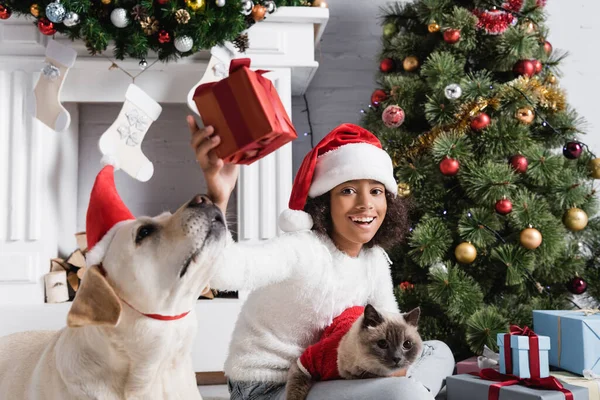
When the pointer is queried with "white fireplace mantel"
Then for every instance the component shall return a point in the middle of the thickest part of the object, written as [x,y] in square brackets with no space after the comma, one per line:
[38,167]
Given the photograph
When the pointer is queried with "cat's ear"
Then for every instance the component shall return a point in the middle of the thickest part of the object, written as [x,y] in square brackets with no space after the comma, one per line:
[371,317]
[412,317]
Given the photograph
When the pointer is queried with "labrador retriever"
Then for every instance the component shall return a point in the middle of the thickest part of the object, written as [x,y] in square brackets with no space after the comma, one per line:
[132,324]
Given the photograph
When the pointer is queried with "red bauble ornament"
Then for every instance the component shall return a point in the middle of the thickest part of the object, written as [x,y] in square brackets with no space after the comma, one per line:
[451,36]
[577,285]
[162,2]
[480,122]
[5,12]
[378,96]
[46,26]
[547,47]
[524,67]
[449,166]
[503,206]
[537,65]
[393,116]
[519,163]
[386,65]
[572,150]
[164,37]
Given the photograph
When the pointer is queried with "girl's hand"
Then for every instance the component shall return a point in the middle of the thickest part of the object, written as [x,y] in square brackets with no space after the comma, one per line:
[220,177]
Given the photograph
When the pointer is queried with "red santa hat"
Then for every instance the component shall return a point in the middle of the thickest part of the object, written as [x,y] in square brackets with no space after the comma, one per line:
[106,212]
[347,153]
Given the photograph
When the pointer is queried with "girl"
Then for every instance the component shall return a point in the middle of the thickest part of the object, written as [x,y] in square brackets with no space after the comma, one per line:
[343,208]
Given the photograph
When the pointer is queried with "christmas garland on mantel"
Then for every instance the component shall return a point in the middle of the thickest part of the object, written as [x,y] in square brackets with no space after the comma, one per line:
[171,28]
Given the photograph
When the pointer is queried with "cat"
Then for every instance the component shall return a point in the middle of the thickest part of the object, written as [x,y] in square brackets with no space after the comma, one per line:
[360,343]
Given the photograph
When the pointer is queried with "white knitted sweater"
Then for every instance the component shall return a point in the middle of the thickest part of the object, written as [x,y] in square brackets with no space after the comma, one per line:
[299,281]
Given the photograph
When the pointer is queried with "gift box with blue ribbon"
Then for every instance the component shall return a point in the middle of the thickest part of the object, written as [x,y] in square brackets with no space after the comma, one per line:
[523,353]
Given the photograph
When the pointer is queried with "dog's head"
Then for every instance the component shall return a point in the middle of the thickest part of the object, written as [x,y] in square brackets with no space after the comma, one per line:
[156,265]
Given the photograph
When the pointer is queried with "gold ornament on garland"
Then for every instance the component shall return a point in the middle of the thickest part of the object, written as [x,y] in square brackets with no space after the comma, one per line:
[149,25]
[259,12]
[594,166]
[465,253]
[525,115]
[35,10]
[106,2]
[320,3]
[403,190]
[575,219]
[530,238]
[410,63]
[433,27]
[182,16]
[196,5]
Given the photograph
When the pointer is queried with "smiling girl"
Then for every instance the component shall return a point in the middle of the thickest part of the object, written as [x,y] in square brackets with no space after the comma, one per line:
[343,212]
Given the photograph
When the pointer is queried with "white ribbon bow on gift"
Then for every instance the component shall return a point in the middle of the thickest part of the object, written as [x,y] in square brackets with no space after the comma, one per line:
[489,359]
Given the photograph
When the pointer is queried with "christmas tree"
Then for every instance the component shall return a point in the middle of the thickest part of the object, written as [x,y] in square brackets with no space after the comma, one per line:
[490,157]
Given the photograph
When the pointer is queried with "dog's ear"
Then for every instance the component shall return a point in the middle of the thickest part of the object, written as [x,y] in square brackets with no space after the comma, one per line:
[96,302]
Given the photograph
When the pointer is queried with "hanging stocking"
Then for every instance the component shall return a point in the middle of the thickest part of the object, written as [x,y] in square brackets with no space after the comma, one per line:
[44,102]
[121,143]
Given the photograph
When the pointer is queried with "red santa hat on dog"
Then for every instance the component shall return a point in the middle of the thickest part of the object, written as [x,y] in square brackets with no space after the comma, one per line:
[347,153]
[105,213]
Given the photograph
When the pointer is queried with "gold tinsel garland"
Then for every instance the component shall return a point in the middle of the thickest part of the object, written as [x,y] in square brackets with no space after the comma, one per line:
[548,97]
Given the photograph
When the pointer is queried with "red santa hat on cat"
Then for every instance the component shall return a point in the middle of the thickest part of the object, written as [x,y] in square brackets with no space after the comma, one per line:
[106,212]
[347,153]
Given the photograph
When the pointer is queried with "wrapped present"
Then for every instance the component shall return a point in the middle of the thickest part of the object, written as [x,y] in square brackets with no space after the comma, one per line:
[488,359]
[492,385]
[246,112]
[523,353]
[589,380]
[574,337]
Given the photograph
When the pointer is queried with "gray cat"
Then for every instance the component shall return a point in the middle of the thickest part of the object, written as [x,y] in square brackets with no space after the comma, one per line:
[373,344]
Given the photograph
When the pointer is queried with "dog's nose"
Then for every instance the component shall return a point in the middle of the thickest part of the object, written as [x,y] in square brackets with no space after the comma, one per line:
[200,201]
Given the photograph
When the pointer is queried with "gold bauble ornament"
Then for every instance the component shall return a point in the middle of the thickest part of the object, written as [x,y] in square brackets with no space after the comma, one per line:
[35,10]
[320,3]
[551,79]
[259,12]
[575,219]
[403,190]
[525,115]
[530,238]
[433,27]
[106,2]
[465,253]
[410,63]
[195,5]
[594,166]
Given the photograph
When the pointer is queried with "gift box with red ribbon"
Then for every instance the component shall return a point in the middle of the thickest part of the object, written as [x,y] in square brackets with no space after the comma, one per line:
[523,353]
[492,385]
[246,112]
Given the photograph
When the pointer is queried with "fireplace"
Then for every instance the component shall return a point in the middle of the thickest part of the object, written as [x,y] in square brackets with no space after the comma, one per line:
[45,175]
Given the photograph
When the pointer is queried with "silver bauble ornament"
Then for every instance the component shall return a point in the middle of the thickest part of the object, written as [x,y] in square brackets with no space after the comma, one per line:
[143,63]
[452,91]
[71,19]
[220,3]
[55,12]
[247,6]
[271,6]
[118,17]
[183,44]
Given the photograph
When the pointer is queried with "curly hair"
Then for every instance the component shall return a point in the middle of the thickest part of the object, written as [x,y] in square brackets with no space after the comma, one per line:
[391,232]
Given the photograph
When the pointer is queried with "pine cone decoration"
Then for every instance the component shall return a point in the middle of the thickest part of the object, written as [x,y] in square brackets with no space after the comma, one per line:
[182,16]
[139,13]
[242,43]
[149,25]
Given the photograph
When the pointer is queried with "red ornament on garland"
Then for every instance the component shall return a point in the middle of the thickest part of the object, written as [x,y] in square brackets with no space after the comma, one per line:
[162,2]
[5,12]
[46,26]
[519,163]
[493,22]
[406,285]
[537,65]
[393,116]
[449,166]
[503,206]
[524,68]
[480,122]
[572,150]
[577,285]
[547,47]
[164,37]
[386,65]
[451,36]
[378,96]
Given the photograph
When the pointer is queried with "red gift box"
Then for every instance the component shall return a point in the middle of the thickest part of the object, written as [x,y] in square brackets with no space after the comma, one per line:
[246,112]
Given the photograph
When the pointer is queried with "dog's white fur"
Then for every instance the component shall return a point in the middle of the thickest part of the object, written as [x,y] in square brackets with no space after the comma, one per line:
[126,355]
